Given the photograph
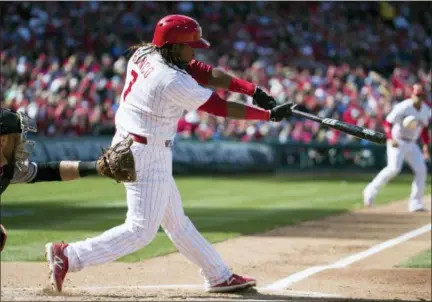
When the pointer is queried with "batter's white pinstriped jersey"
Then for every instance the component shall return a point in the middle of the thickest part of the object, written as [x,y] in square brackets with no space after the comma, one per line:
[155,97]
[400,112]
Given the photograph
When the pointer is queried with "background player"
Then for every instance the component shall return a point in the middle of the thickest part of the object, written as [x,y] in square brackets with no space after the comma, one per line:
[403,126]
[15,167]
[158,89]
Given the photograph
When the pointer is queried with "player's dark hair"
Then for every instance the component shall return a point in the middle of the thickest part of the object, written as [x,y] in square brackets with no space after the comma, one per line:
[167,53]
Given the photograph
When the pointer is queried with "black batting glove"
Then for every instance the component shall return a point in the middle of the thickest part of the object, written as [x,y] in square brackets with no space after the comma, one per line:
[263,100]
[281,112]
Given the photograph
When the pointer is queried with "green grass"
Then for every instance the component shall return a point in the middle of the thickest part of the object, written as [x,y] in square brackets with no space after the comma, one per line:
[422,260]
[220,207]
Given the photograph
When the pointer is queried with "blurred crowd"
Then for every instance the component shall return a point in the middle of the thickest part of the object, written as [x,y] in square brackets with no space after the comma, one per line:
[64,62]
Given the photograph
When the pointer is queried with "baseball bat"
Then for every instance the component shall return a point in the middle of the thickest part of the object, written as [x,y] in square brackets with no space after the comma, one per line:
[364,133]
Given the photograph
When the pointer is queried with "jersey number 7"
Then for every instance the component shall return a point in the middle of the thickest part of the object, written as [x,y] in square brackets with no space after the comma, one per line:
[134,75]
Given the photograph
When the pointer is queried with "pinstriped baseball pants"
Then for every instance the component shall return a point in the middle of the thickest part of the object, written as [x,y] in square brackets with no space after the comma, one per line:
[153,201]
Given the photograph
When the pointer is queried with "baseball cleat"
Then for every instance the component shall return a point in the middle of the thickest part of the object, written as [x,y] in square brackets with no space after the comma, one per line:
[368,200]
[233,284]
[58,264]
[417,208]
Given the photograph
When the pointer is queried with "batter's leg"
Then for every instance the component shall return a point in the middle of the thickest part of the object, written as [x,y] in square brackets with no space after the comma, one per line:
[146,199]
[191,243]
[415,159]
[395,158]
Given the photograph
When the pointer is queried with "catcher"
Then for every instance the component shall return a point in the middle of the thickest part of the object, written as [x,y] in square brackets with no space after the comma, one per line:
[117,162]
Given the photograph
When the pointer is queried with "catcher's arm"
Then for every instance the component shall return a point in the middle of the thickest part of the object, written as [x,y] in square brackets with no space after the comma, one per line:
[54,171]
[117,163]
[64,170]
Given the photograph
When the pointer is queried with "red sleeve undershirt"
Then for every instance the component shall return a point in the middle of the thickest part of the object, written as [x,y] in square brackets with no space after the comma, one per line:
[218,106]
[201,72]
[425,136]
[387,129]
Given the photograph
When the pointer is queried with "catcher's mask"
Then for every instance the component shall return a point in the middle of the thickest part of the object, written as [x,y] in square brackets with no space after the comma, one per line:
[18,122]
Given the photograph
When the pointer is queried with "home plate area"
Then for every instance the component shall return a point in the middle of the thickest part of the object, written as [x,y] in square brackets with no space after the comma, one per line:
[157,293]
[351,256]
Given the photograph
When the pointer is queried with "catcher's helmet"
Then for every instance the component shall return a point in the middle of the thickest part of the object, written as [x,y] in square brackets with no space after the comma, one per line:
[179,29]
[15,122]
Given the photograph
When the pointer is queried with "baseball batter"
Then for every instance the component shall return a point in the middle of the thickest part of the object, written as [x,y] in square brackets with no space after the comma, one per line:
[162,82]
[15,168]
[403,126]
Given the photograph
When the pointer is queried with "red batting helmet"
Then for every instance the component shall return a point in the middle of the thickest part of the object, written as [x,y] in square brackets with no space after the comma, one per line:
[179,29]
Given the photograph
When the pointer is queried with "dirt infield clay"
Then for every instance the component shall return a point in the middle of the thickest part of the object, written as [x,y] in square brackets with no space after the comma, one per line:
[268,256]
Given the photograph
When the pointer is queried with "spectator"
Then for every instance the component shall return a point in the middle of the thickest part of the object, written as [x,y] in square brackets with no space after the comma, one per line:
[350,61]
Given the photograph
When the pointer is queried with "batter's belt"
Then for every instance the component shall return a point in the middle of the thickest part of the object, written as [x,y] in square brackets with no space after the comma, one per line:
[407,140]
[144,140]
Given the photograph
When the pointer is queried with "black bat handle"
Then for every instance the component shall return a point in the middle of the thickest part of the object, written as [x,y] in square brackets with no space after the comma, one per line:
[307,115]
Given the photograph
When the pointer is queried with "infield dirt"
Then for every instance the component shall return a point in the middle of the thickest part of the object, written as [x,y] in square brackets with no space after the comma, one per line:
[269,257]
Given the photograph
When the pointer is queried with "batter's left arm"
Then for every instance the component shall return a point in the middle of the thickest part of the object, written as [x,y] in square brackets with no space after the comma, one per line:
[207,75]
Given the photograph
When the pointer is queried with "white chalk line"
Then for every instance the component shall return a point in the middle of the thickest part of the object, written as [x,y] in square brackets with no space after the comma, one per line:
[178,286]
[290,280]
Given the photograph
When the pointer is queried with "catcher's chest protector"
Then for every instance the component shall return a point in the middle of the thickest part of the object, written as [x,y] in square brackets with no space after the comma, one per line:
[6,174]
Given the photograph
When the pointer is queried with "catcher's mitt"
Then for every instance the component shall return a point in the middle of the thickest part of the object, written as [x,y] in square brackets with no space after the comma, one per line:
[118,162]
